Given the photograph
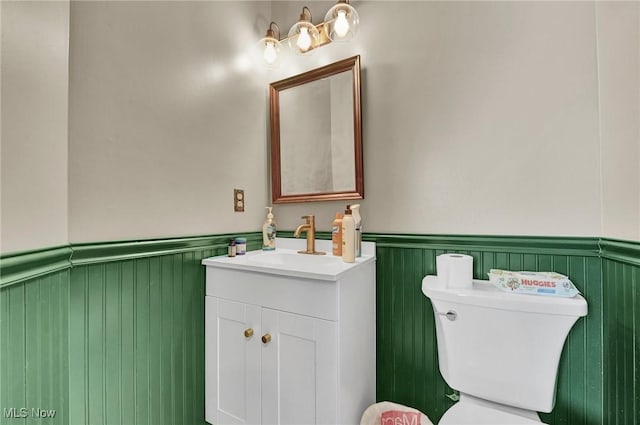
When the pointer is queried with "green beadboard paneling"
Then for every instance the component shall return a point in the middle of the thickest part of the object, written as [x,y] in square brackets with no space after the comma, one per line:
[139,354]
[407,369]
[34,353]
[579,389]
[621,330]
[407,352]
[118,338]
[128,317]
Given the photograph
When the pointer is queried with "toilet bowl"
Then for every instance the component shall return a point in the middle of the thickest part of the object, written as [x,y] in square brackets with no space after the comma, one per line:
[500,350]
[474,411]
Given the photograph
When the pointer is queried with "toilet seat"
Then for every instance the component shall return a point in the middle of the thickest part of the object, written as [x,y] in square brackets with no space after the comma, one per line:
[470,413]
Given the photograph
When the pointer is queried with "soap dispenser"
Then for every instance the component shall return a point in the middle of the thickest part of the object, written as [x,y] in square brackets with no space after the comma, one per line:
[336,234]
[269,232]
[348,237]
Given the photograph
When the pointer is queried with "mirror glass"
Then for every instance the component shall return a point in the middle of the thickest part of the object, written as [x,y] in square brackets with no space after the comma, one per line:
[316,136]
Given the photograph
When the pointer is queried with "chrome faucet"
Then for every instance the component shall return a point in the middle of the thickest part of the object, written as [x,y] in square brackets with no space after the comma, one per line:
[310,228]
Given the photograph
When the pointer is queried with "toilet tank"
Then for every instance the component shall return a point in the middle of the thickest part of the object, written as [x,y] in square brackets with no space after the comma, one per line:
[501,346]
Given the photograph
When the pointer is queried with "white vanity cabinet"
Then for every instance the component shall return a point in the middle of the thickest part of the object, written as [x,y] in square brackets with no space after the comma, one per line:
[288,349]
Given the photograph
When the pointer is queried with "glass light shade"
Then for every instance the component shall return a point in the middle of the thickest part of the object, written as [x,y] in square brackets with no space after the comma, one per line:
[303,37]
[342,22]
[269,51]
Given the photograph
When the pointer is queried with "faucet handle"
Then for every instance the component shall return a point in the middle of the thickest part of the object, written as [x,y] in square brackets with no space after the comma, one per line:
[309,218]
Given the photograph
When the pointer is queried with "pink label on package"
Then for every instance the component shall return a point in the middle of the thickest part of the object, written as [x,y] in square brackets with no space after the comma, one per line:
[399,417]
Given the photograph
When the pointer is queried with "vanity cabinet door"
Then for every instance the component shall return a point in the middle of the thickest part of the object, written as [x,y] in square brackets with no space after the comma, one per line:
[232,362]
[299,369]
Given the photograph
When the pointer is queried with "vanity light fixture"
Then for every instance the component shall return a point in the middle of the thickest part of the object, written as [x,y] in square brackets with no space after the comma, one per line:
[340,24]
[342,21]
[304,36]
[271,46]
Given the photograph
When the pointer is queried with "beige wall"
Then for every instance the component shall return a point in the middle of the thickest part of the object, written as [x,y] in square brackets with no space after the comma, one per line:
[483,118]
[618,26]
[167,117]
[35,55]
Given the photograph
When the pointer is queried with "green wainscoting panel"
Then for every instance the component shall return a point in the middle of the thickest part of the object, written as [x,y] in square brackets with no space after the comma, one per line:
[407,368]
[407,362]
[112,333]
[109,333]
[20,266]
[621,331]
[579,389]
[137,330]
[91,253]
[34,349]
[549,245]
[137,340]
[621,251]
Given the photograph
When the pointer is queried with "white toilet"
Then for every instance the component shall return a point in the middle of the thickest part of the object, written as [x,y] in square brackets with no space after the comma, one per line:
[499,350]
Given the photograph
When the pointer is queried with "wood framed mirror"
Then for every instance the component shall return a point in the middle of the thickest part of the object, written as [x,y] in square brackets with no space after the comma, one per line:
[316,135]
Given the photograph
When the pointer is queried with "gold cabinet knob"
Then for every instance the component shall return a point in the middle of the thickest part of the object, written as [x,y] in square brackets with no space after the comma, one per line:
[248,333]
[266,338]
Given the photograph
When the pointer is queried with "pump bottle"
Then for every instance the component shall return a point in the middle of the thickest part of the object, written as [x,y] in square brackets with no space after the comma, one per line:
[269,232]
[336,235]
[348,237]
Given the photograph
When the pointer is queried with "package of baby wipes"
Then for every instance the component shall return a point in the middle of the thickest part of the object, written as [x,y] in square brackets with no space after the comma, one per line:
[538,283]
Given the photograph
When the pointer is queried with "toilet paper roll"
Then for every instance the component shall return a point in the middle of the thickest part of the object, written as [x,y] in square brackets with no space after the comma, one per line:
[456,270]
[442,268]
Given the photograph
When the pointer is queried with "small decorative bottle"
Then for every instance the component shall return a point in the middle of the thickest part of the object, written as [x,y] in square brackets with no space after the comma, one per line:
[269,232]
[231,248]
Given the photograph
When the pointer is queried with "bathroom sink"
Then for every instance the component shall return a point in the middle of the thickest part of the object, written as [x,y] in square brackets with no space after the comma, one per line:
[286,260]
[293,259]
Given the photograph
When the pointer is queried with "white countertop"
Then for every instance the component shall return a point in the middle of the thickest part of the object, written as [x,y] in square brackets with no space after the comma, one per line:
[286,261]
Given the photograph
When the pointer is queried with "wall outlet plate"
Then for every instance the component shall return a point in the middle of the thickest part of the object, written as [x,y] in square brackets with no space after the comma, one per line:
[238,200]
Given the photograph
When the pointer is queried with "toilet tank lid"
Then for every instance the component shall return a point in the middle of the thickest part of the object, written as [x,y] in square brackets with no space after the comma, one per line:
[484,294]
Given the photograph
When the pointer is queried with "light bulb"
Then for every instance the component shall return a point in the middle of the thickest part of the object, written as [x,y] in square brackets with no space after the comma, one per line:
[270,54]
[304,41]
[342,25]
